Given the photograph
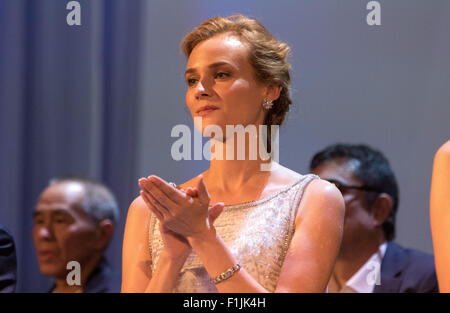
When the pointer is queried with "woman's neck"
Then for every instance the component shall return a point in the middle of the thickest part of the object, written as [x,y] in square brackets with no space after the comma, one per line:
[233,171]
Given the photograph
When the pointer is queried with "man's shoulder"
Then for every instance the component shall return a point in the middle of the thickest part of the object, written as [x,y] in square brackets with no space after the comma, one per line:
[407,270]
[411,257]
[8,261]
[4,233]
[415,268]
[6,239]
[104,279]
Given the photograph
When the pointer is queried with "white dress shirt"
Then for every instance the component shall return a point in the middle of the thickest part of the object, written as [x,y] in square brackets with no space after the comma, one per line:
[368,275]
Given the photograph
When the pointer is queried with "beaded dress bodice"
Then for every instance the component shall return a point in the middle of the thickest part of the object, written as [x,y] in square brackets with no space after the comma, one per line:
[257,233]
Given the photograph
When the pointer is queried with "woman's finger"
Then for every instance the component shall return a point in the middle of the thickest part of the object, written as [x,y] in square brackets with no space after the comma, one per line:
[192,192]
[158,194]
[161,208]
[151,207]
[215,211]
[203,194]
[171,192]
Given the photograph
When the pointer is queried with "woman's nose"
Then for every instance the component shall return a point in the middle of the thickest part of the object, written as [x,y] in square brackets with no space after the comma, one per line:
[202,89]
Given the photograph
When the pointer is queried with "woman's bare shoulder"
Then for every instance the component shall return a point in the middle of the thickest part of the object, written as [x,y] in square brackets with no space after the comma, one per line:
[444,150]
[317,188]
[323,198]
[138,209]
[441,163]
[284,176]
[322,189]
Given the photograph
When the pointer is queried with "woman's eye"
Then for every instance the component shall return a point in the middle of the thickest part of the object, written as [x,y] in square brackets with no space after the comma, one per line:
[221,75]
[191,81]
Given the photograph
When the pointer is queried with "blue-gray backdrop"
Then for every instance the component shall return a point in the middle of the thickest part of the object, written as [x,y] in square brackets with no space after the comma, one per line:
[100,99]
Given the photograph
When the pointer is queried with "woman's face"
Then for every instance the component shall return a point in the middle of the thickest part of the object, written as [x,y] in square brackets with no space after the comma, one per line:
[219,75]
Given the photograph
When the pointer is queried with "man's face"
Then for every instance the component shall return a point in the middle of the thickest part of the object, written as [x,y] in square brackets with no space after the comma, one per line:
[358,223]
[62,230]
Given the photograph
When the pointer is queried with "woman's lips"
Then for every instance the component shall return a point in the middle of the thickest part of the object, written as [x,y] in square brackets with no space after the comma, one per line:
[205,111]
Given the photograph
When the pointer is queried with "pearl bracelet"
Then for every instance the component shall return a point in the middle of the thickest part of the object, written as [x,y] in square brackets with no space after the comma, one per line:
[227,274]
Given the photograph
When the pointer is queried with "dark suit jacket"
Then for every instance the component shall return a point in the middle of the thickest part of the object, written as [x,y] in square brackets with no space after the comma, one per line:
[102,280]
[407,270]
[8,262]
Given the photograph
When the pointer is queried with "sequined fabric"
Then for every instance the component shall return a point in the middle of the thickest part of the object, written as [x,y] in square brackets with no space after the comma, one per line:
[258,234]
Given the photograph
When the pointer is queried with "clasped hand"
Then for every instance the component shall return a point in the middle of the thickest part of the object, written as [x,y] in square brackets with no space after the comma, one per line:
[186,213]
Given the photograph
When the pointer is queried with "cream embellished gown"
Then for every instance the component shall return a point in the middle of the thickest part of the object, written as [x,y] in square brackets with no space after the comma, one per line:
[258,234]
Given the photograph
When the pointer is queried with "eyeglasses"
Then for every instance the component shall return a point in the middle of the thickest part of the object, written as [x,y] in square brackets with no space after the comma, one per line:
[342,187]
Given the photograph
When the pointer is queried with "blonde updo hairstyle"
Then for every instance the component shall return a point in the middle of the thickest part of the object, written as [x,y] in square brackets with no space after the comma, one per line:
[267,55]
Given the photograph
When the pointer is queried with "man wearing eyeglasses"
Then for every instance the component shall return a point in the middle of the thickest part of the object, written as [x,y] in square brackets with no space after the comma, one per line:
[369,261]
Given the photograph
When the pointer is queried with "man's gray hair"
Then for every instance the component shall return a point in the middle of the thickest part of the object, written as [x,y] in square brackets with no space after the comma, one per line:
[98,201]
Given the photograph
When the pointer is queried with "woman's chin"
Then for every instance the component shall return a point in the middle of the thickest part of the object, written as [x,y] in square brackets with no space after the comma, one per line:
[211,128]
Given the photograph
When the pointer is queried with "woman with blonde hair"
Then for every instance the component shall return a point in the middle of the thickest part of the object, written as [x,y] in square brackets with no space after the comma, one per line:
[235,227]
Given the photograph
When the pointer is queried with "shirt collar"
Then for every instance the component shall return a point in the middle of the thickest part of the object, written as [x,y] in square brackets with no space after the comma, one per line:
[365,279]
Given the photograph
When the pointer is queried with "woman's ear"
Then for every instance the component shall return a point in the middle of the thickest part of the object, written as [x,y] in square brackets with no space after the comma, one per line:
[273,92]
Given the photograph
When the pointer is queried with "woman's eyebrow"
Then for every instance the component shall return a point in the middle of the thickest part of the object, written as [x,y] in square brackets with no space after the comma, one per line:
[213,65]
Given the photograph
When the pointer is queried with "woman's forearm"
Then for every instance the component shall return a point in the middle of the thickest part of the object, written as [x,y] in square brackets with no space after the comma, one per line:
[165,275]
[217,258]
